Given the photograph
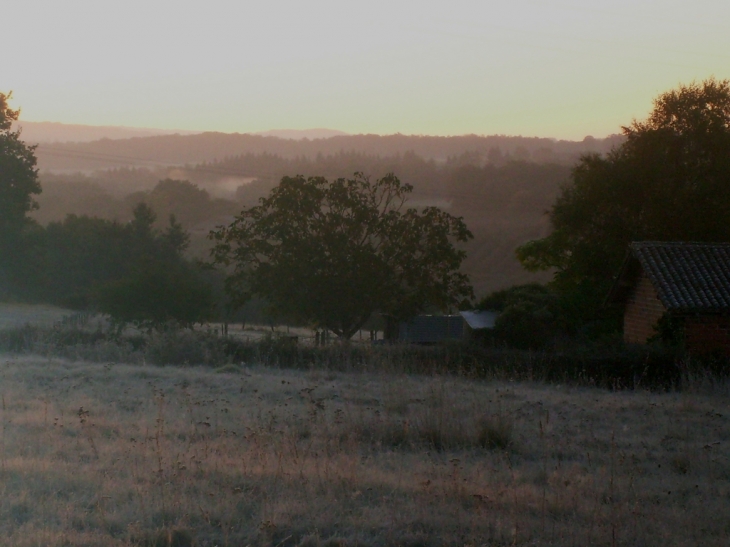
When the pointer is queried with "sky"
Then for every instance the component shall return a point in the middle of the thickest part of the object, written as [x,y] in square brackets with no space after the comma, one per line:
[549,68]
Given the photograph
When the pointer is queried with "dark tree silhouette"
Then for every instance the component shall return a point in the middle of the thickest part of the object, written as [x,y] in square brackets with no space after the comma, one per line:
[670,180]
[18,184]
[332,253]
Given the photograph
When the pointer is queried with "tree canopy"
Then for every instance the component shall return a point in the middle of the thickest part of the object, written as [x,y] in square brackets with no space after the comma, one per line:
[530,316]
[18,174]
[159,285]
[18,184]
[333,253]
[134,272]
[670,180]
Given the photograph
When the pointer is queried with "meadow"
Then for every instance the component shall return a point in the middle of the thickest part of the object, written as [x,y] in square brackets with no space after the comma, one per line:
[17,315]
[109,454]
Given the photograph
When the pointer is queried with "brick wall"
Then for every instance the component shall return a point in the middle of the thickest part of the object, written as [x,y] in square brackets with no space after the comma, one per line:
[643,311]
[706,334]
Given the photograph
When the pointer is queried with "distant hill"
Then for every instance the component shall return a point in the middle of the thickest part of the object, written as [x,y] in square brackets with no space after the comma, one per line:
[178,149]
[298,134]
[54,132]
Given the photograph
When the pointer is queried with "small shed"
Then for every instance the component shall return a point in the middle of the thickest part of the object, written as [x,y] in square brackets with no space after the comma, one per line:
[688,281]
[431,329]
[478,324]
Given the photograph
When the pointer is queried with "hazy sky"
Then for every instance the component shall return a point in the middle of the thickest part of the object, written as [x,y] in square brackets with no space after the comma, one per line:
[554,68]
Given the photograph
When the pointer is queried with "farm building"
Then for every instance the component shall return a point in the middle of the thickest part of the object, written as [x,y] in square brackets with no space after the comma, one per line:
[689,282]
[432,329]
[478,323]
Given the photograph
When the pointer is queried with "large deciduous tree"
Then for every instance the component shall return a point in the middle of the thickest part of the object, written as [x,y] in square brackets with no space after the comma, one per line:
[669,180]
[333,253]
[18,184]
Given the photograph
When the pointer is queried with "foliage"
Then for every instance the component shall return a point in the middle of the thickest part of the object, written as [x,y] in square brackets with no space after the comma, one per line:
[333,253]
[670,180]
[160,286]
[132,271]
[189,203]
[18,184]
[82,253]
[669,331]
[503,204]
[506,190]
[18,175]
[607,363]
[156,294]
[530,316]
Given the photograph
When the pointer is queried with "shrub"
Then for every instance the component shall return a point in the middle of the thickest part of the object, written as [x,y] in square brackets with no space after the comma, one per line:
[530,316]
[184,347]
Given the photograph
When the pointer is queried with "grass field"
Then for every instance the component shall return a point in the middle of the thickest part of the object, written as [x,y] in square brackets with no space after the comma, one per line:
[17,315]
[41,315]
[115,455]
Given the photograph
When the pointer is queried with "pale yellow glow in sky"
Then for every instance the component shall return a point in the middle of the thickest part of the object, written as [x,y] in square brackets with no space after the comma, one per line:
[564,68]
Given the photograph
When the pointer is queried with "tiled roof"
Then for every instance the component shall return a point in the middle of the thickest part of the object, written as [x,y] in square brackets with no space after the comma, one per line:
[688,277]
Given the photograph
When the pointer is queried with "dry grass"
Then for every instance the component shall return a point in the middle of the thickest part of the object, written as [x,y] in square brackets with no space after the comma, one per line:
[17,315]
[107,454]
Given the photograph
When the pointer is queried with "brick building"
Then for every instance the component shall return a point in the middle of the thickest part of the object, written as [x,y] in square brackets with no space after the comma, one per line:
[690,282]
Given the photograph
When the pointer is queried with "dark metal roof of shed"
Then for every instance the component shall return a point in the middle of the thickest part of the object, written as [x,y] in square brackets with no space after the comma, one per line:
[480,319]
[428,329]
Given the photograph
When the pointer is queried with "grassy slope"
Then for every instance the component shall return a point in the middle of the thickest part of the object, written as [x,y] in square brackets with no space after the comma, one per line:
[106,454]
